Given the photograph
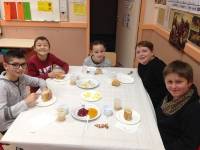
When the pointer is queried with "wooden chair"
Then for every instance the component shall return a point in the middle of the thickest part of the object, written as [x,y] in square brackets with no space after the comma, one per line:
[112,57]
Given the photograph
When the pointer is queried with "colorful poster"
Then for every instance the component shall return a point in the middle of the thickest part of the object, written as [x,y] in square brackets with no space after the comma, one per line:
[180,29]
[27,10]
[79,9]
[10,10]
[20,10]
[44,6]
[194,36]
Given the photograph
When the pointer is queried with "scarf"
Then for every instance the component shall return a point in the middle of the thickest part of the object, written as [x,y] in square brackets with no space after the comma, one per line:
[170,107]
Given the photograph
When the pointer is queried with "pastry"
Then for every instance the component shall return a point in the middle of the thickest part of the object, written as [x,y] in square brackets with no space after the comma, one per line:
[102,125]
[128,114]
[60,75]
[115,82]
[46,95]
[98,71]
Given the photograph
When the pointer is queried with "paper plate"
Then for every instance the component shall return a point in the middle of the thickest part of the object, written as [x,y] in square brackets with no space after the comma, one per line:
[87,83]
[135,117]
[41,103]
[74,113]
[124,78]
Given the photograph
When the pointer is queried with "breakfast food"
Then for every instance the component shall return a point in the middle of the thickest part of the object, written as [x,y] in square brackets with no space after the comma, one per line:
[60,75]
[128,114]
[82,112]
[91,112]
[46,95]
[102,125]
[87,84]
[115,82]
[98,71]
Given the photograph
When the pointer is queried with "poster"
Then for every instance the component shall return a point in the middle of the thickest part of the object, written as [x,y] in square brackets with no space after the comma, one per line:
[180,29]
[34,10]
[161,16]
[194,36]
[163,2]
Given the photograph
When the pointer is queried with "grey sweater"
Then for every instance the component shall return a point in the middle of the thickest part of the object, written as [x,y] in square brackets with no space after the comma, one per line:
[12,95]
[89,62]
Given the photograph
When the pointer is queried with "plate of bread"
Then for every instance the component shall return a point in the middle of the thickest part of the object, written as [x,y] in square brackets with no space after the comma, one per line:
[46,98]
[60,77]
[128,116]
[124,78]
[87,83]
[86,112]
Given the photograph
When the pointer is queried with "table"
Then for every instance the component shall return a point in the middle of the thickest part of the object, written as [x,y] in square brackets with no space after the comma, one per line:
[76,135]
[16,43]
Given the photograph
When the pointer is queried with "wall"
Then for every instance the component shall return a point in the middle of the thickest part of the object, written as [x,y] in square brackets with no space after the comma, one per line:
[168,53]
[69,44]
[127,36]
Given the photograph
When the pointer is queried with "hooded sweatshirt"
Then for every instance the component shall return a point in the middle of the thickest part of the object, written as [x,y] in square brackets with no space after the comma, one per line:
[12,97]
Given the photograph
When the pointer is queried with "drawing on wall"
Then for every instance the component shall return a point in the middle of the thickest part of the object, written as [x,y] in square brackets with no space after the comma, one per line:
[35,10]
[194,36]
[180,29]
[163,2]
[161,16]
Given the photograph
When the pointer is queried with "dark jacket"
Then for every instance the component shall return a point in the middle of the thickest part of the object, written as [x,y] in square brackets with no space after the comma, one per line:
[181,131]
[152,78]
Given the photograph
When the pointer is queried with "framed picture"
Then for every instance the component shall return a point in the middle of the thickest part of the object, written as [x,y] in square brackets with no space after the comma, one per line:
[194,35]
[180,27]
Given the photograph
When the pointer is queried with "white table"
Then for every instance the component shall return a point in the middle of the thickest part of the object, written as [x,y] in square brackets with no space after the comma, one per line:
[73,134]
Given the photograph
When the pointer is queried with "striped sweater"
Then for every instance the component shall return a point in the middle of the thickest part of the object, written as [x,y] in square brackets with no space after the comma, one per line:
[12,97]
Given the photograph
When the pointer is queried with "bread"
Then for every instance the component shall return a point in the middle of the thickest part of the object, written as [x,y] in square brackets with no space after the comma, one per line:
[98,71]
[115,82]
[46,95]
[128,114]
[60,75]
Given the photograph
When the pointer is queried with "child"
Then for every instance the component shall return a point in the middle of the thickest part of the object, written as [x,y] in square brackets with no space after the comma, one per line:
[178,117]
[150,70]
[42,63]
[97,57]
[13,96]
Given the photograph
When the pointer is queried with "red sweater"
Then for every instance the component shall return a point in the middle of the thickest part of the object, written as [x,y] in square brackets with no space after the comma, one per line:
[40,69]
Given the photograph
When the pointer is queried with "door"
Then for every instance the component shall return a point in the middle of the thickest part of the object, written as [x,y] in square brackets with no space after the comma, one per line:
[127,29]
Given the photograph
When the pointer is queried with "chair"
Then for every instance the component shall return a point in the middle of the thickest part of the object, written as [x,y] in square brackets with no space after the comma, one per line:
[112,57]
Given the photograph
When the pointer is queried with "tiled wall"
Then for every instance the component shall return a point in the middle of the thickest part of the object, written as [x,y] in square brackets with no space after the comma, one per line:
[168,53]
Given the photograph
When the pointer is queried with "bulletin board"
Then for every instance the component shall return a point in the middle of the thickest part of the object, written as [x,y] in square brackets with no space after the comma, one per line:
[33,10]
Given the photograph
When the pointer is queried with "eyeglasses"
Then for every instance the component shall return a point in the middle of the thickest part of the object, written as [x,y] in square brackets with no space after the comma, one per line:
[17,66]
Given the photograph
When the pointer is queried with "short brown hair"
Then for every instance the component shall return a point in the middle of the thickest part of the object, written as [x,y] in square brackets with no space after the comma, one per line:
[41,38]
[181,68]
[98,43]
[14,53]
[147,44]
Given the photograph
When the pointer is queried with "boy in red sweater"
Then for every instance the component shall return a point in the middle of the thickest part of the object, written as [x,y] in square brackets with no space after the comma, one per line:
[41,64]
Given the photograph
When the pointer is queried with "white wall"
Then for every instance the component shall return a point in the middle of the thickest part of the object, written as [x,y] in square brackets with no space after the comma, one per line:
[126,37]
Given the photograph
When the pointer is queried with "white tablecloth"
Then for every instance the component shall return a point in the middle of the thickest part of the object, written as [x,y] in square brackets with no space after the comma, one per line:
[37,128]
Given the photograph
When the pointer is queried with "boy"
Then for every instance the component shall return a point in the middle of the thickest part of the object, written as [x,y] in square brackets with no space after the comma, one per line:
[42,64]
[97,57]
[13,95]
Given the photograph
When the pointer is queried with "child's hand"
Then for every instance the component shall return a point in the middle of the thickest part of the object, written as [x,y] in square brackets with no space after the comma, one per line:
[52,74]
[31,99]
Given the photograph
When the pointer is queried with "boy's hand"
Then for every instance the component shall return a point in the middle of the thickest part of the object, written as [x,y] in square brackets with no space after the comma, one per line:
[56,74]
[31,99]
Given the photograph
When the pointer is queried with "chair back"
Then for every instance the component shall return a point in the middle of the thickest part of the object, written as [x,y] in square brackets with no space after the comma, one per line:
[112,57]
